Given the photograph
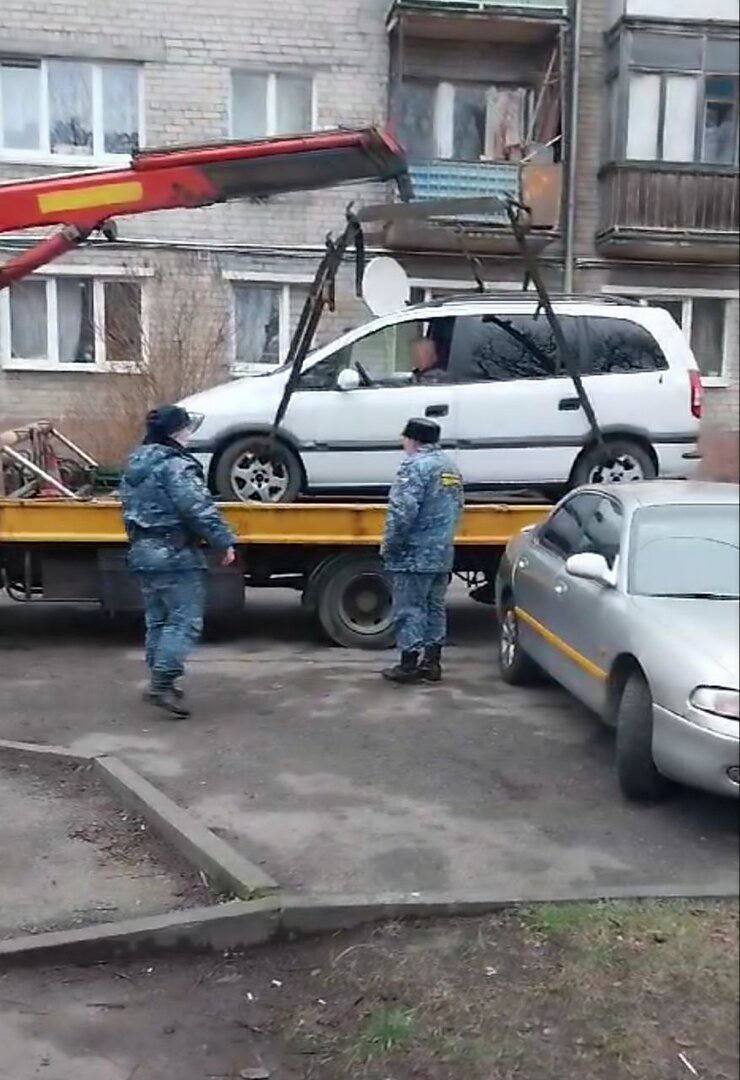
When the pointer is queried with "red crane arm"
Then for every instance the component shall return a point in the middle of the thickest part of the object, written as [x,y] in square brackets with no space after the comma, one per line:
[189,177]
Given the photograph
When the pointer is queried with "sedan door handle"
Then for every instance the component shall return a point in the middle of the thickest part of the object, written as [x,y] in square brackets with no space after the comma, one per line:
[437,410]
[569,404]
[523,564]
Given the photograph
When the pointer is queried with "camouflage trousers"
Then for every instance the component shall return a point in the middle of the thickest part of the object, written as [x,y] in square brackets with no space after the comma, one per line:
[173,612]
[419,610]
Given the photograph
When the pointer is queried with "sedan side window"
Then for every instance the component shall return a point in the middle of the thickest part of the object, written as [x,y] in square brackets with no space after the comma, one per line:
[602,532]
[563,531]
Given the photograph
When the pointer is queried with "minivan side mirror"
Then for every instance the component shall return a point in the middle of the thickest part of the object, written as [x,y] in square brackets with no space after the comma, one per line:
[591,567]
[348,379]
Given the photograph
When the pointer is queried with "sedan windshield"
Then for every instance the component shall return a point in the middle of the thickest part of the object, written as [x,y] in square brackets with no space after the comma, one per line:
[686,551]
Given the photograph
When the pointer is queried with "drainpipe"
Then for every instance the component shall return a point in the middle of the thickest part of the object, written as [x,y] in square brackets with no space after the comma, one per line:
[572,170]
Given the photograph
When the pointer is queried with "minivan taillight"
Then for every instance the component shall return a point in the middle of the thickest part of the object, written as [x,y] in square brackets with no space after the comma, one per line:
[697,394]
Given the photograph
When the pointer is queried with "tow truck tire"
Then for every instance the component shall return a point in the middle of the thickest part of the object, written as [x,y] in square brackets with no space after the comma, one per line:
[639,779]
[626,460]
[352,595]
[258,469]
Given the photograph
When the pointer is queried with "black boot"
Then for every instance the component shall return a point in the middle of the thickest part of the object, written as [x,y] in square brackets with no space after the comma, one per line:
[430,668]
[405,672]
[169,698]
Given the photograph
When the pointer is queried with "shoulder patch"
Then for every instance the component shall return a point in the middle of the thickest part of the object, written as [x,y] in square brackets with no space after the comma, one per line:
[448,479]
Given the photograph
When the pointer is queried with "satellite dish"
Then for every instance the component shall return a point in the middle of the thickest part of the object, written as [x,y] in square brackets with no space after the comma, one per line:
[385,286]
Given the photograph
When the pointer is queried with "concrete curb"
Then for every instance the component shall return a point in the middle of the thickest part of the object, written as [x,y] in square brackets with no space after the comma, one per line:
[316,914]
[225,867]
[234,925]
[11,749]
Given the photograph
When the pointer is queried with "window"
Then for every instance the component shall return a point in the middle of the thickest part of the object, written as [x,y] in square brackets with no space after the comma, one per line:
[257,326]
[506,347]
[463,122]
[619,346]
[69,109]
[681,98]
[602,531]
[270,104]
[70,323]
[704,320]
[386,356]
[562,533]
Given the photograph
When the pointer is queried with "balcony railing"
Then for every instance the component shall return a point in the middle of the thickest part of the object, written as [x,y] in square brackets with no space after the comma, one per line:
[477,7]
[664,201]
[466,180]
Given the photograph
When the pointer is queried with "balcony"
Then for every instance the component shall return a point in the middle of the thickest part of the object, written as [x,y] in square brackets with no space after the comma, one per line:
[651,210]
[537,186]
[476,20]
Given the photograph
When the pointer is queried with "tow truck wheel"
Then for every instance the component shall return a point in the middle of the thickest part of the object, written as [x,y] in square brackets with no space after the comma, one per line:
[258,469]
[352,597]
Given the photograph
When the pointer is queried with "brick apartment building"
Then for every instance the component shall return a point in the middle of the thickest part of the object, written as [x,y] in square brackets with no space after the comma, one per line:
[482,92]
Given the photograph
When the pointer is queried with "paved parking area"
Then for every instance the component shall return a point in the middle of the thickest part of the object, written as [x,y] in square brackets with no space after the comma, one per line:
[337,782]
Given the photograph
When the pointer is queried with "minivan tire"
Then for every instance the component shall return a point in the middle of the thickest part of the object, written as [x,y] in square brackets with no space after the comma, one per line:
[638,776]
[626,460]
[276,474]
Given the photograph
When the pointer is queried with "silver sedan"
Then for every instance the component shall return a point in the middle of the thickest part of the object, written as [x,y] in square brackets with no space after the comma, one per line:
[627,595]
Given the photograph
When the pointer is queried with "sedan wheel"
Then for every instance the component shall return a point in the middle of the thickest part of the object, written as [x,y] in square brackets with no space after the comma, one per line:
[516,666]
[638,777]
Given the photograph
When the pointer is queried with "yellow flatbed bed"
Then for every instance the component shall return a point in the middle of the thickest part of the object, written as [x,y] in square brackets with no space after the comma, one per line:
[34,521]
[59,550]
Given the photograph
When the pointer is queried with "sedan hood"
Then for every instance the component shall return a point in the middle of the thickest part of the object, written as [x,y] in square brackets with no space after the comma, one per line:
[710,628]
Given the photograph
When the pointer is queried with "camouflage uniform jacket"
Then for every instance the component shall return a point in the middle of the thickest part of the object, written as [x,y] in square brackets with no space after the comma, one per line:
[168,511]
[424,507]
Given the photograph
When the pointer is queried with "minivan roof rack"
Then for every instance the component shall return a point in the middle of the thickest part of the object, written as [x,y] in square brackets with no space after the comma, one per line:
[608,299]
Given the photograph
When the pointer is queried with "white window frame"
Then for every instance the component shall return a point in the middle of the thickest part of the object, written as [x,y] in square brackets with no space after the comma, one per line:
[686,296]
[48,363]
[43,155]
[283,282]
[272,77]
[430,285]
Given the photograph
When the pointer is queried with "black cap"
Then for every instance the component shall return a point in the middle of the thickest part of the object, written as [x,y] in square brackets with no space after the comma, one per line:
[167,420]
[423,431]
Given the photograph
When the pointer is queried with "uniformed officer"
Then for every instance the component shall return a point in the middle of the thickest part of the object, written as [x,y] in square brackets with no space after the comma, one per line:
[169,514]
[424,507]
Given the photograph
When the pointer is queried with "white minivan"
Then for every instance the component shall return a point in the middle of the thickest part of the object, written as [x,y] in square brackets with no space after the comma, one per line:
[510,415]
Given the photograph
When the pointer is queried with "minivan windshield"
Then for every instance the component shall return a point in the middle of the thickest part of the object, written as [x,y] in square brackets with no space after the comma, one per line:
[690,551]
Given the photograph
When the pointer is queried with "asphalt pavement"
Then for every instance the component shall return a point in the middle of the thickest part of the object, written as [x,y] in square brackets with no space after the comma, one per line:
[336,782]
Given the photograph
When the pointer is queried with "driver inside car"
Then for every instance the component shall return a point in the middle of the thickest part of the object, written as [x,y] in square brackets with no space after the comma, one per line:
[426,366]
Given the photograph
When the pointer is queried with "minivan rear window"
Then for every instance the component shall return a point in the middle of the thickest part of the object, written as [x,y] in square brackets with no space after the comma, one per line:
[618,346]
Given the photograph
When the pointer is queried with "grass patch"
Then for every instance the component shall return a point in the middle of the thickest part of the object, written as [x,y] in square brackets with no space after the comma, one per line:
[612,991]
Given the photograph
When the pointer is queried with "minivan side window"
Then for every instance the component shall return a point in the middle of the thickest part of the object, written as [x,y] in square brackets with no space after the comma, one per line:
[563,532]
[501,348]
[618,346]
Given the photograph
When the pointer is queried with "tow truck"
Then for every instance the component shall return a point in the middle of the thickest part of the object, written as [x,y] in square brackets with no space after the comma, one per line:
[60,542]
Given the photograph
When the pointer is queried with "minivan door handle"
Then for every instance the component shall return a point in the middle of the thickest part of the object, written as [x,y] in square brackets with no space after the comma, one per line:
[437,410]
[569,404]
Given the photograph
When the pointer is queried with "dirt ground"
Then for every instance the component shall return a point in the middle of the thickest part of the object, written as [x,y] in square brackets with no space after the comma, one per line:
[71,856]
[611,991]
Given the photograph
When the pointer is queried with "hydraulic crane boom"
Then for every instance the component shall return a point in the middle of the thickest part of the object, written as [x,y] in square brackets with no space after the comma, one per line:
[188,177]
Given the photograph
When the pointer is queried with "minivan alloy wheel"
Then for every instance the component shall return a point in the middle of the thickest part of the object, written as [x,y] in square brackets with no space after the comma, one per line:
[259,478]
[618,470]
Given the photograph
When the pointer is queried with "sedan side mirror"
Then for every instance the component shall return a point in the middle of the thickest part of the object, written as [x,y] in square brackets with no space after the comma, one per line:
[349,379]
[591,567]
